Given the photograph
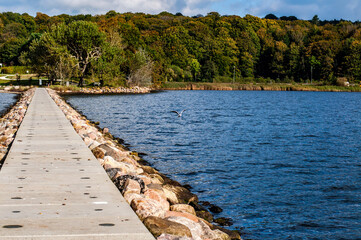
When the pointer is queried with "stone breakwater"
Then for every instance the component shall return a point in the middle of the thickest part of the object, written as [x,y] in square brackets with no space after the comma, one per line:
[107,90]
[169,210]
[11,121]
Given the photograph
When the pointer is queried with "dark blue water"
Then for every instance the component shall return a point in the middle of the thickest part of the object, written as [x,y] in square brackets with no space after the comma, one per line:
[6,100]
[282,165]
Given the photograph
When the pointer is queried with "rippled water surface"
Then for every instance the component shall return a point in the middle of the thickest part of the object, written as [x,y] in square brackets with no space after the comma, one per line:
[283,165]
[6,100]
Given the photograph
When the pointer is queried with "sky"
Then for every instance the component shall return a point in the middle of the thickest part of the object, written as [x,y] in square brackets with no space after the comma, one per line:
[302,9]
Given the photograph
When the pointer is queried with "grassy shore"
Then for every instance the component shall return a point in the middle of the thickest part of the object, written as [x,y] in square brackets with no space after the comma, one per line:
[31,80]
[257,87]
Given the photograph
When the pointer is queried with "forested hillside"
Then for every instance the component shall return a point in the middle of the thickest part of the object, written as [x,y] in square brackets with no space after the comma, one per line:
[138,48]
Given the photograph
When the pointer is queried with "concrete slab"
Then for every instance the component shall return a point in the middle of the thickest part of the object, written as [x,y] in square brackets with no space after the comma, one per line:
[52,187]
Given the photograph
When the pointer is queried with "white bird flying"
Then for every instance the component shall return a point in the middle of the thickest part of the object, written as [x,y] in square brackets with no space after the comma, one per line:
[179,114]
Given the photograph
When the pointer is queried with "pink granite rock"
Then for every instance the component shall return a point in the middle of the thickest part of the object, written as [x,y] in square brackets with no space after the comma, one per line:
[130,161]
[182,195]
[156,178]
[92,135]
[159,226]
[131,186]
[222,235]
[182,214]
[129,197]
[147,180]
[113,152]
[183,208]
[199,230]
[109,162]
[147,207]
[88,141]
[159,196]
[172,237]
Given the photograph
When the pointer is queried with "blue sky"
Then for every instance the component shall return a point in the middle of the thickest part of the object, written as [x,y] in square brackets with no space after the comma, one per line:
[306,9]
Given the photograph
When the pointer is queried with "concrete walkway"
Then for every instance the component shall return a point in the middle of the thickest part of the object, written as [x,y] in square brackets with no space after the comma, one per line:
[52,187]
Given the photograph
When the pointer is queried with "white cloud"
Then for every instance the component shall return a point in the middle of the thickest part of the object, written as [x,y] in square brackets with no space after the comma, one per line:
[329,10]
[285,8]
[103,6]
[194,7]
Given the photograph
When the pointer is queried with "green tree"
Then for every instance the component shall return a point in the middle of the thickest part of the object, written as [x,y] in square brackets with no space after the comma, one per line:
[83,41]
[315,20]
[323,51]
[271,16]
[278,61]
[45,56]
[10,51]
[351,62]
[110,67]
[195,68]
[314,63]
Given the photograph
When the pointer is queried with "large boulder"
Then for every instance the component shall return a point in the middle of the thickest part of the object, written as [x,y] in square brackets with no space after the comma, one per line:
[109,162]
[124,168]
[98,152]
[232,234]
[92,135]
[132,186]
[93,145]
[130,196]
[222,235]
[122,183]
[156,178]
[159,196]
[166,236]
[149,170]
[130,161]
[183,208]
[113,152]
[112,173]
[182,214]
[205,215]
[158,226]
[145,207]
[146,179]
[199,230]
[182,195]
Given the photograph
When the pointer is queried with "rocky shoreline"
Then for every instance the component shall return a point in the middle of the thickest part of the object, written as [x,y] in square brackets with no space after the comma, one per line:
[104,90]
[168,209]
[11,121]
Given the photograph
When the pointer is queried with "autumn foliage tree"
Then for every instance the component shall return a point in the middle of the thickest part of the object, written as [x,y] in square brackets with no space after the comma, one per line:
[139,48]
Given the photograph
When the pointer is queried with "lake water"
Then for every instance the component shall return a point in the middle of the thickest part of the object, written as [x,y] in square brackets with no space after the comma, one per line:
[282,165]
[6,100]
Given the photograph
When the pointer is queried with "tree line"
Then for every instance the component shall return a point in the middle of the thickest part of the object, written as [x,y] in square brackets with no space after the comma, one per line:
[143,49]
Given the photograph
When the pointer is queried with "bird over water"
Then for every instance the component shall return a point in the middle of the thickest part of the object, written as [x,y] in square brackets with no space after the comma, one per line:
[179,113]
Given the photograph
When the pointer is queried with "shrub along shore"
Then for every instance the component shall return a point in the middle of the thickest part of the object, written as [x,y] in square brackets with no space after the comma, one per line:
[168,209]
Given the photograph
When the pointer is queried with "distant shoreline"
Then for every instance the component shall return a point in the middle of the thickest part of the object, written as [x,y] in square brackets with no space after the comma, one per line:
[191,86]
[256,87]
